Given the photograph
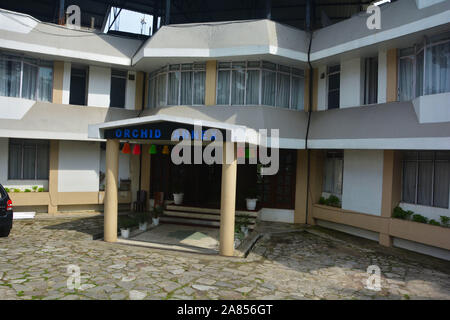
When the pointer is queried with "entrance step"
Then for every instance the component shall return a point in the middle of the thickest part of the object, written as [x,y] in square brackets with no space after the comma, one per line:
[201,216]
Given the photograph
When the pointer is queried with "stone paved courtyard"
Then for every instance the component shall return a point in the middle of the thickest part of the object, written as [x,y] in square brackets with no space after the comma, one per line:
[287,265]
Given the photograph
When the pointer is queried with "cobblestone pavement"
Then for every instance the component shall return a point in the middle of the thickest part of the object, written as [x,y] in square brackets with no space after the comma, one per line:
[289,265]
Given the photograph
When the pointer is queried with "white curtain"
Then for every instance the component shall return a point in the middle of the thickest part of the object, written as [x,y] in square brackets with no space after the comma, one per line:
[298,89]
[186,88]
[29,161]
[425,183]
[15,161]
[45,84]
[42,161]
[161,90]
[283,90]
[29,81]
[268,88]
[419,75]
[252,88]
[152,93]
[199,87]
[223,87]
[406,79]
[174,88]
[438,69]
[409,181]
[332,178]
[9,78]
[238,87]
[441,184]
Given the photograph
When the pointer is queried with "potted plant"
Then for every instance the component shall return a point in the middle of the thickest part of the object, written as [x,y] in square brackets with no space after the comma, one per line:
[244,222]
[143,220]
[252,198]
[125,224]
[178,193]
[157,212]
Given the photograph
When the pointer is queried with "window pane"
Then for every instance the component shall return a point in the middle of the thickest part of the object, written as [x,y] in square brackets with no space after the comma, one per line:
[424,183]
[78,87]
[409,182]
[438,69]
[42,161]
[118,89]
[152,93]
[237,87]
[199,87]
[29,81]
[9,78]
[161,93]
[29,161]
[298,89]
[441,184]
[174,88]
[405,86]
[223,87]
[268,88]
[15,161]
[419,74]
[283,90]
[186,88]
[334,82]
[252,94]
[333,99]
[45,84]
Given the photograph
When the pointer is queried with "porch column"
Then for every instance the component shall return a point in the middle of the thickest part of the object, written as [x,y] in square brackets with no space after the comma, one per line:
[111,189]
[228,200]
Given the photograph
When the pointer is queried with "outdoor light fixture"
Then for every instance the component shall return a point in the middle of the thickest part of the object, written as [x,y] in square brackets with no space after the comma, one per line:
[126,148]
[165,150]
[153,149]
[137,149]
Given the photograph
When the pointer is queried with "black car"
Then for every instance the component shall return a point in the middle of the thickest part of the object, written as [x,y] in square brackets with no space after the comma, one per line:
[6,213]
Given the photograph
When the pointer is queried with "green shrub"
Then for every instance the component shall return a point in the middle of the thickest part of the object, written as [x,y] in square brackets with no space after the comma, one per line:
[399,213]
[419,218]
[27,190]
[125,222]
[332,201]
[7,190]
[34,188]
[142,217]
[40,190]
[157,212]
[434,222]
[322,200]
[445,221]
[17,190]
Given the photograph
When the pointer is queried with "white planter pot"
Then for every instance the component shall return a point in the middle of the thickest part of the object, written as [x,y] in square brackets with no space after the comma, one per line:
[155,221]
[251,204]
[125,233]
[143,226]
[178,198]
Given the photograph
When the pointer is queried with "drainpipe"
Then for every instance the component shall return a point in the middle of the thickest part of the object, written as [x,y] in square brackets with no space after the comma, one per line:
[62,15]
[310,104]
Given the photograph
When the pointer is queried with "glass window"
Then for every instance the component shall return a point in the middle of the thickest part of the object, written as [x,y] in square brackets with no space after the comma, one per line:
[371,80]
[78,84]
[28,159]
[426,178]
[118,88]
[334,82]
[333,172]
[26,78]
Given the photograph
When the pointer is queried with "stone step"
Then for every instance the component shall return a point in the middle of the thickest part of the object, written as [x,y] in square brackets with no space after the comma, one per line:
[252,214]
[194,219]
[195,215]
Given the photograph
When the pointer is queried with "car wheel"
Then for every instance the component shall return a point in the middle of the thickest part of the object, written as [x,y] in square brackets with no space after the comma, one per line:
[4,232]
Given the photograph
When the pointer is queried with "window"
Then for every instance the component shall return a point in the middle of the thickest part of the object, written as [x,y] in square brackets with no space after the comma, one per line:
[426,178]
[334,83]
[118,88]
[26,78]
[28,159]
[178,84]
[425,68]
[333,171]
[370,80]
[260,83]
[78,85]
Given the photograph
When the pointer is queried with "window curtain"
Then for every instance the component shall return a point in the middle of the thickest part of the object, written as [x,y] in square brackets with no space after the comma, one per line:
[9,78]
[223,87]
[406,79]
[238,87]
[409,182]
[15,161]
[332,179]
[419,75]
[45,84]
[152,93]
[174,88]
[42,161]
[29,81]
[438,69]
[425,183]
[283,90]
[29,161]
[199,87]
[161,90]
[252,87]
[298,89]
[441,184]
[186,88]
[268,88]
